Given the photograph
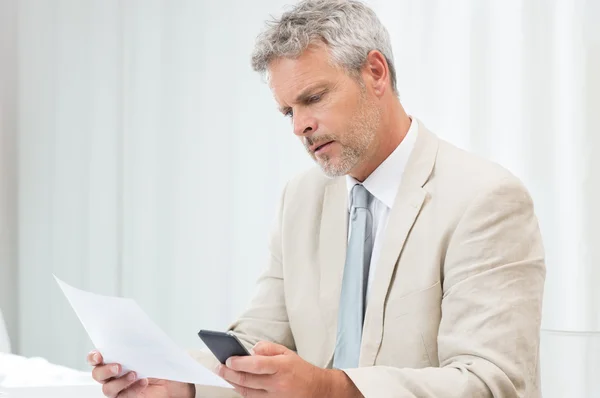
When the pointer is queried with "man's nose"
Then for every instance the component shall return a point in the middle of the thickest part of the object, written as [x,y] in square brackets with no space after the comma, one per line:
[304,125]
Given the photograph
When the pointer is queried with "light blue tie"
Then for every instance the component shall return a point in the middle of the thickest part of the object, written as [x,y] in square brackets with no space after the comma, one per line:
[354,283]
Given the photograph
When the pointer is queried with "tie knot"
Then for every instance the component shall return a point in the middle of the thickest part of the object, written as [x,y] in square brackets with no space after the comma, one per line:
[360,196]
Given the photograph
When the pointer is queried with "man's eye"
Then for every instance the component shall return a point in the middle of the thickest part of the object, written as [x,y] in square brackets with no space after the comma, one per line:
[289,113]
[314,98]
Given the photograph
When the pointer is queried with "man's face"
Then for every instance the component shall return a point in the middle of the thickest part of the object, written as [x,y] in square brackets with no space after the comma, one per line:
[331,112]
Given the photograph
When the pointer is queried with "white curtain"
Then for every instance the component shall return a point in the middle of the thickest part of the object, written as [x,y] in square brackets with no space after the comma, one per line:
[151,157]
[150,164]
[8,176]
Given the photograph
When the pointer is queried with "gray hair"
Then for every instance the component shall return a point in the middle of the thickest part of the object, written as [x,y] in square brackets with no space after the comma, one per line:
[349,28]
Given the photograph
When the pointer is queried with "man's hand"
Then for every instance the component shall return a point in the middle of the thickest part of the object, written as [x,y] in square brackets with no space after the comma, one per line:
[129,386]
[275,371]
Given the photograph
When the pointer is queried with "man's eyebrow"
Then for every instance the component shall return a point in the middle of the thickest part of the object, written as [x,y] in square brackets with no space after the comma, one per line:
[304,95]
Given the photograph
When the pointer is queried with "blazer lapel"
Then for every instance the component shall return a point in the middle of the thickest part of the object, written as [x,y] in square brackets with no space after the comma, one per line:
[333,240]
[408,203]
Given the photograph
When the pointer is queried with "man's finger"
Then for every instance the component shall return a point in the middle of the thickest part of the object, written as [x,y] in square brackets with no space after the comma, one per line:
[114,387]
[248,392]
[269,349]
[257,364]
[134,390]
[94,358]
[249,380]
[104,372]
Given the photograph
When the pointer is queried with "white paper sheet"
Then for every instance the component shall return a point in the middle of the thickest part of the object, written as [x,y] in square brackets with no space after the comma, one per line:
[124,334]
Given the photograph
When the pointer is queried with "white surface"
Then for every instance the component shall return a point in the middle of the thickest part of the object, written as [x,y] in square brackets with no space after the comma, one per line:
[93,391]
[22,377]
[18,371]
[124,334]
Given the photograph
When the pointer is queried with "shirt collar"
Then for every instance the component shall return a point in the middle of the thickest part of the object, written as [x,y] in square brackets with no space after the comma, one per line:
[383,183]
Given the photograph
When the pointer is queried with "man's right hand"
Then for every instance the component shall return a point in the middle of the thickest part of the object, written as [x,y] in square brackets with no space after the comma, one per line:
[129,386]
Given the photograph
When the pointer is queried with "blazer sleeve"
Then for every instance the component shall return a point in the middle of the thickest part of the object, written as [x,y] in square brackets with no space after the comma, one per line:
[493,280]
[265,318]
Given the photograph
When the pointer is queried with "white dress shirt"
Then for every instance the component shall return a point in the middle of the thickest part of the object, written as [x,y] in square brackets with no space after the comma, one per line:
[383,184]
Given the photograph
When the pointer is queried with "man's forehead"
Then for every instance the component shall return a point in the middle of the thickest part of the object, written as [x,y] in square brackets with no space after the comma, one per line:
[295,91]
[287,77]
[293,85]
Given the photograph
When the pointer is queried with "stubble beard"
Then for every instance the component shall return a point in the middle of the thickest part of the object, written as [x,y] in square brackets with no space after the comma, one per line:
[354,146]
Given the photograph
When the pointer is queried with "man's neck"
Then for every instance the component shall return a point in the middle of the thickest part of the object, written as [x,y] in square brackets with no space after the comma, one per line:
[391,135]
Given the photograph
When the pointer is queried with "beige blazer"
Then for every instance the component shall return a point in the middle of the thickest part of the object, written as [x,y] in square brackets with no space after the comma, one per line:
[456,302]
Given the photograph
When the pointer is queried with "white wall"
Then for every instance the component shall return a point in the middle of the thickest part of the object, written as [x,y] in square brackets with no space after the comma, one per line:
[151,162]
[8,174]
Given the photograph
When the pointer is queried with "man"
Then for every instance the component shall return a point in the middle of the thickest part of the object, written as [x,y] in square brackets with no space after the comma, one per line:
[404,267]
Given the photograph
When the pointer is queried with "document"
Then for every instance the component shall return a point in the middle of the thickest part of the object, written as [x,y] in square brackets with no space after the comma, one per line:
[124,334]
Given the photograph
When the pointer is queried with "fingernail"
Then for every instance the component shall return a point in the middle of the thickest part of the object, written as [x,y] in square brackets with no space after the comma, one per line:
[252,351]
[144,382]
[115,369]
[131,376]
[217,369]
[228,362]
[96,358]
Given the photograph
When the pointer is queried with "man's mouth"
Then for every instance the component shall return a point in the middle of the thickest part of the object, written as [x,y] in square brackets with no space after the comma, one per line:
[320,147]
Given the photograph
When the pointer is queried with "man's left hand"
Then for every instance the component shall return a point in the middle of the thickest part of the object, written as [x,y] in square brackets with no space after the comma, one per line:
[276,371]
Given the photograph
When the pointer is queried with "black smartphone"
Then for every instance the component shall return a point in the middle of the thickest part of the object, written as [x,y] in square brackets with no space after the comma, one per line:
[223,344]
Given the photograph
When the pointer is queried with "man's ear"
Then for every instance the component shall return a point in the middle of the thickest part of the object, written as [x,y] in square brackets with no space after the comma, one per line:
[376,72]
